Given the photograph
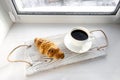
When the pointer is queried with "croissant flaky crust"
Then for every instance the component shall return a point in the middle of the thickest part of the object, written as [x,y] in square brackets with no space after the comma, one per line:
[48,48]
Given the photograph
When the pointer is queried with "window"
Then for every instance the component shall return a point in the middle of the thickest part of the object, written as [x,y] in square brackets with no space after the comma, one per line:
[66,7]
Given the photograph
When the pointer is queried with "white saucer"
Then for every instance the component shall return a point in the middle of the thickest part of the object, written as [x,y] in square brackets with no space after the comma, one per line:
[76,49]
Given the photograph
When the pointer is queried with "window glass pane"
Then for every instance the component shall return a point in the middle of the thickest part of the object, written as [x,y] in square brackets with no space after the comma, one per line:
[65,5]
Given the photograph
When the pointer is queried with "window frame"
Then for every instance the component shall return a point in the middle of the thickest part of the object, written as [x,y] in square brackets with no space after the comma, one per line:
[66,13]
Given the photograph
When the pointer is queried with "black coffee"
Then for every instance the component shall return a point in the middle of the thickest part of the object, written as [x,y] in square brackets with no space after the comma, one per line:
[79,35]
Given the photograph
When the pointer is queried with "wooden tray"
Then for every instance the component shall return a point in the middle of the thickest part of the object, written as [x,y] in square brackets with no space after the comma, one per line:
[42,63]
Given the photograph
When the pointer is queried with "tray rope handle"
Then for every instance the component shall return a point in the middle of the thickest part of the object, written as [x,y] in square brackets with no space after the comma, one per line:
[10,60]
[106,39]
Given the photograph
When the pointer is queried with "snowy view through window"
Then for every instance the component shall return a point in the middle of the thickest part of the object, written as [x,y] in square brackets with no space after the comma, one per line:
[66,5]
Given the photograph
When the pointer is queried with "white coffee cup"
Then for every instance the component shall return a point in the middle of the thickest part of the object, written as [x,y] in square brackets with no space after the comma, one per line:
[78,40]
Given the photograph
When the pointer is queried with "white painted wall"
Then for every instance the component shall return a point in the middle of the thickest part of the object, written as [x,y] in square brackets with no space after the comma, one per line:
[5,22]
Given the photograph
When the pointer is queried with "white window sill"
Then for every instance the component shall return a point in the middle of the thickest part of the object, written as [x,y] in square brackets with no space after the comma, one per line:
[107,68]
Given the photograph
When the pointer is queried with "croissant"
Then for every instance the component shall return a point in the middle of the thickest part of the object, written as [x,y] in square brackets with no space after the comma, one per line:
[48,48]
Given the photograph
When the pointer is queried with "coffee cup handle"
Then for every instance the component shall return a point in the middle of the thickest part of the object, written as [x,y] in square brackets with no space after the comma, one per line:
[92,38]
[106,39]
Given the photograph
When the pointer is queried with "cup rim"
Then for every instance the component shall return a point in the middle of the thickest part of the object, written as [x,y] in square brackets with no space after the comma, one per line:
[80,28]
